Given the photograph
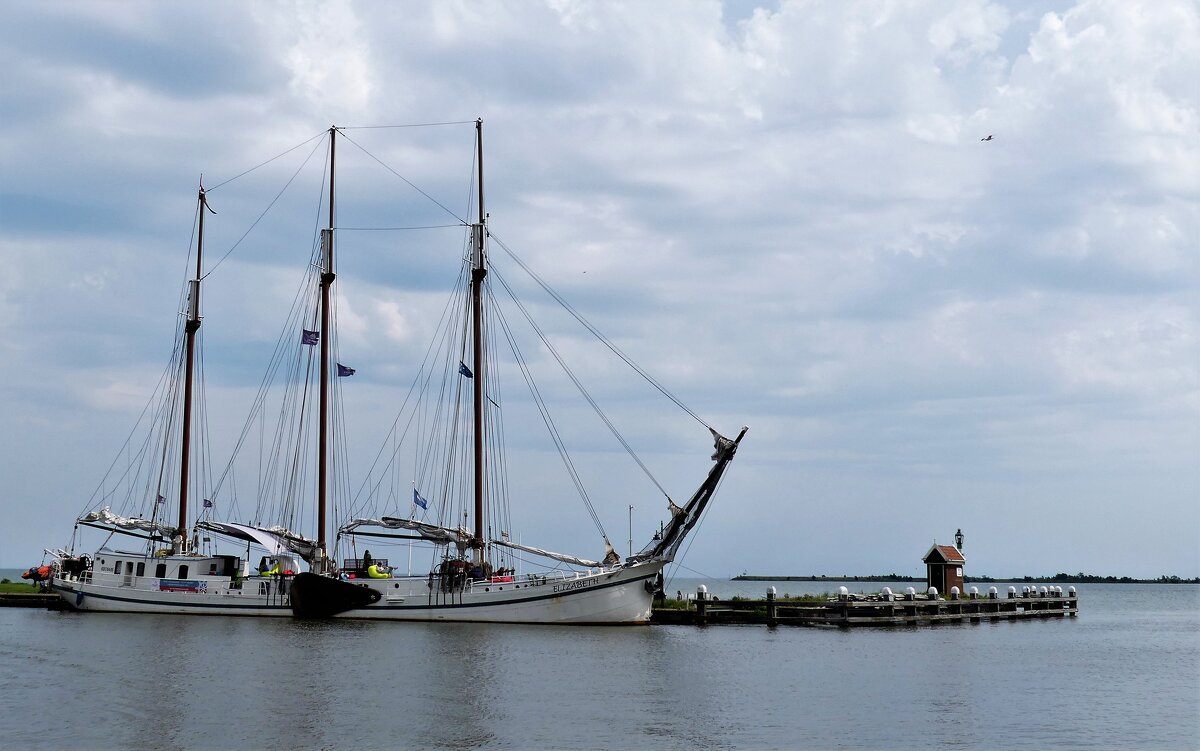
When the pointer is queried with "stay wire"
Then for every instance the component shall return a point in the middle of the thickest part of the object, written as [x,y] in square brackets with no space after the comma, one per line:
[263,164]
[408,125]
[551,428]
[297,313]
[264,211]
[596,332]
[582,390]
[418,387]
[405,180]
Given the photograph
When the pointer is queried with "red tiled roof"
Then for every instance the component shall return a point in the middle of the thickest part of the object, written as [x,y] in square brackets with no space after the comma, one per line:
[948,553]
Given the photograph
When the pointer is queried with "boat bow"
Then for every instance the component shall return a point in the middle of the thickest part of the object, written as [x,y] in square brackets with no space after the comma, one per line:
[685,518]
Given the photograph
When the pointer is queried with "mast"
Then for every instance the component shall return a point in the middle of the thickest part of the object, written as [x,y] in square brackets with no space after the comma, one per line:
[327,277]
[478,272]
[190,328]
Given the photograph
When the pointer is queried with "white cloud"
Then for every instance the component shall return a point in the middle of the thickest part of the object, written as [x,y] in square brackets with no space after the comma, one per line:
[789,219]
[326,55]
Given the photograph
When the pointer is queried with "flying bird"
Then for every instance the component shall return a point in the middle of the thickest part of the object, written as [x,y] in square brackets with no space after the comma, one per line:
[986,139]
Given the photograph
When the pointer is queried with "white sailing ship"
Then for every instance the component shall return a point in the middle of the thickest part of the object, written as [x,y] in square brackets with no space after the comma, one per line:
[476,571]
[472,576]
[174,569]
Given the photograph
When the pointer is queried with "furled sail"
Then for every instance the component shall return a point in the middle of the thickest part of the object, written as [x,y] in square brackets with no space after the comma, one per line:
[105,517]
[276,540]
[457,535]
[550,554]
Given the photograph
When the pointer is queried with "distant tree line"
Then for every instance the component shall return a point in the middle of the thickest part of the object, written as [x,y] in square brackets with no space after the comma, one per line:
[1080,578]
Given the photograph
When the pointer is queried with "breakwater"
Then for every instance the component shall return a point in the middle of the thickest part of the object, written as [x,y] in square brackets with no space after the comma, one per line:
[882,609]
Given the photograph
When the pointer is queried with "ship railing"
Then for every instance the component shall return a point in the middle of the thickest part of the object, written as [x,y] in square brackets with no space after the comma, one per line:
[529,580]
[544,577]
[84,577]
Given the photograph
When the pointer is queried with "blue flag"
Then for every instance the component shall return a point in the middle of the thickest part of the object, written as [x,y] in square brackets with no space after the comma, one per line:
[343,371]
[207,503]
[161,499]
[417,499]
[464,370]
[309,337]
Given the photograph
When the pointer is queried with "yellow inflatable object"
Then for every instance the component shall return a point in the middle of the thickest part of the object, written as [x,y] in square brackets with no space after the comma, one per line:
[374,572]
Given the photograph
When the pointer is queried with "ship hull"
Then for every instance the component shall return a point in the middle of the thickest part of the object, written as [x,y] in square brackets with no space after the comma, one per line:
[622,596]
[219,596]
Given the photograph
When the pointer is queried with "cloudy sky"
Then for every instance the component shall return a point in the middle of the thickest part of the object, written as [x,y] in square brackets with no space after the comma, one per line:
[782,209]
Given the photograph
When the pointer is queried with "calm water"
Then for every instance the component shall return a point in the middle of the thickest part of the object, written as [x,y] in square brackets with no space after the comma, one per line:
[1124,674]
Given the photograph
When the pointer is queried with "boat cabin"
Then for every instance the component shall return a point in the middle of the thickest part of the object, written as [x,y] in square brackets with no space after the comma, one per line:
[165,566]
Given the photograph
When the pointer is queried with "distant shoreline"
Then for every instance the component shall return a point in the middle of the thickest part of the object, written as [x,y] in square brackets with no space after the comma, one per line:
[1057,579]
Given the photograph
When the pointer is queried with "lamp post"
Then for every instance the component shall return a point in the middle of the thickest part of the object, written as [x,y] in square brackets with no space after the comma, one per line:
[958,538]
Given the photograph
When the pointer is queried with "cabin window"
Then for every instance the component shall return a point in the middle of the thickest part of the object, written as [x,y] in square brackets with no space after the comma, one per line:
[129,567]
[212,569]
[183,571]
[116,567]
[141,568]
[160,570]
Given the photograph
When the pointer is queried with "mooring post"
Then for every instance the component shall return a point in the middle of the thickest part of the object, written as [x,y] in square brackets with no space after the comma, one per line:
[701,605]
[772,622]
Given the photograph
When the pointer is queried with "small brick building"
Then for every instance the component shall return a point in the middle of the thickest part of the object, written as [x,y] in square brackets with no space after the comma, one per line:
[944,564]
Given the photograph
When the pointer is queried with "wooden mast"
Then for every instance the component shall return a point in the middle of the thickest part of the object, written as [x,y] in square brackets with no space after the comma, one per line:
[327,277]
[190,328]
[478,272]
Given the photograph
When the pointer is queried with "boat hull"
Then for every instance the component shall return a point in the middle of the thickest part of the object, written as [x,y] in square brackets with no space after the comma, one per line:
[617,597]
[218,598]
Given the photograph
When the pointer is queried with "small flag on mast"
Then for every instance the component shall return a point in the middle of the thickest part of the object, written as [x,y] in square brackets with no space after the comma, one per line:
[309,337]
[417,499]
[207,503]
[343,371]
[161,499]
[464,370]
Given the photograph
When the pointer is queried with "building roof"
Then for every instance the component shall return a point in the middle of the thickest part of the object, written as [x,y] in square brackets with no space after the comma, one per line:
[944,554]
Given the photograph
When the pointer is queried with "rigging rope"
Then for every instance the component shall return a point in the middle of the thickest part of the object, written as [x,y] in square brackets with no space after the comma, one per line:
[582,390]
[264,211]
[409,125]
[413,387]
[263,164]
[551,428]
[406,181]
[596,332]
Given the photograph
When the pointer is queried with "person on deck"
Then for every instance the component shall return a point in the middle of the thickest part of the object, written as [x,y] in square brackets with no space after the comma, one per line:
[367,560]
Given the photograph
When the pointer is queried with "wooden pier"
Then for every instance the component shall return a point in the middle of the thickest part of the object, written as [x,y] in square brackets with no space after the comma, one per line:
[884,609]
[46,600]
